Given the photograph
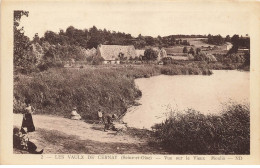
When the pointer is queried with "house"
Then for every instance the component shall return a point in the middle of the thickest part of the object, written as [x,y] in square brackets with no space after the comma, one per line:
[139,53]
[112,54]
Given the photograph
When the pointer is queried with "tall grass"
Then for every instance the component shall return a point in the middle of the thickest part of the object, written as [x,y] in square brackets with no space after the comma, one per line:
[191,132]
[110,88]
[58,90]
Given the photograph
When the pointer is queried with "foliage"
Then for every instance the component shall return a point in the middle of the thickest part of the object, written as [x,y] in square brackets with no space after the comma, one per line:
[247,59]
[191,51]
[150,54]
[167,60]
[239,42]
[215,40]
[202,56]
[56,91]
[97,60]
[191,132]
[23,62]
[198,50]
[185,50]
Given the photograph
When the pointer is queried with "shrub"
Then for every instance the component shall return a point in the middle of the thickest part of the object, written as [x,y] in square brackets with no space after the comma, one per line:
[194,133]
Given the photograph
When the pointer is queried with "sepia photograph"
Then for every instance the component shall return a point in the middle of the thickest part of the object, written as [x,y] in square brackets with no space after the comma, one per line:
[146,78]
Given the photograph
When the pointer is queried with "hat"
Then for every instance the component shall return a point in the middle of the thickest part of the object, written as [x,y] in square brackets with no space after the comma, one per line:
[23,130]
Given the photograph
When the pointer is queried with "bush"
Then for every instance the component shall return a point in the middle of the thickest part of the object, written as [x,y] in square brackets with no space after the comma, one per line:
[194,133]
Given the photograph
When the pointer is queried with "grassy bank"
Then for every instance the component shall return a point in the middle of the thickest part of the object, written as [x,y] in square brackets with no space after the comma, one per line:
[110,88]
[191,132]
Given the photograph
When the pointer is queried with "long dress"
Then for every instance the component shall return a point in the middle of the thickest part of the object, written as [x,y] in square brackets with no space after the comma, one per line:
[28,121]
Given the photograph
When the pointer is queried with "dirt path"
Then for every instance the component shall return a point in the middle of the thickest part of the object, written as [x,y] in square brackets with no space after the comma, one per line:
[78,128]
[62,135]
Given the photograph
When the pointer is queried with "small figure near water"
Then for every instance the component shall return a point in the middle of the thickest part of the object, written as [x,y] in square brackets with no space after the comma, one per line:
[100,116]
[27,118]
[74,115]
[108,122]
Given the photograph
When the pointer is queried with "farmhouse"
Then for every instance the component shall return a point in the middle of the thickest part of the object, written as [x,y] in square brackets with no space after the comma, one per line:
[112,54]
[139,53]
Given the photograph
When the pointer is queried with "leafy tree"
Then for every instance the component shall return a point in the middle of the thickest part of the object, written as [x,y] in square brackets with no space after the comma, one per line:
[185,50]
[36,38]
[23,62]
[150,54]
[191,51]
[150,41]
[167,60]
[235,40]
[247,59]
[216,40]
[227,39]
[97,60]
[198,50]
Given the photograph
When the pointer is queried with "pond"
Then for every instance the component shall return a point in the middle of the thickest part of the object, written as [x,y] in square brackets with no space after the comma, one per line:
[207,94]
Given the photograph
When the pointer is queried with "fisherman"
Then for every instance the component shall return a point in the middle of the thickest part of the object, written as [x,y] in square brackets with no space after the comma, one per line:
[108,123]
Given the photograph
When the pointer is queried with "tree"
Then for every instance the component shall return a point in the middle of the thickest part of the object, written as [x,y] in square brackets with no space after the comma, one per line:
[150,54]
[198,50]
[235,40]
[97,60]
[23,62]
[247,59]
[36,38]
[150,41]
[185,50]
[191,51]
[51,37]
[227,39]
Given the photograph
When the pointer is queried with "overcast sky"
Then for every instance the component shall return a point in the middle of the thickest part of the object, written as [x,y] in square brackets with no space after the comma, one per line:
[146,17]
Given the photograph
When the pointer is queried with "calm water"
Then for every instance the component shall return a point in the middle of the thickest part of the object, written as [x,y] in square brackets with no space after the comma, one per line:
[206,94]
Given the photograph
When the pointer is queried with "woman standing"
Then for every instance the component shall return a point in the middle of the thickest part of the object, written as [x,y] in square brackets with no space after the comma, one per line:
[27,119]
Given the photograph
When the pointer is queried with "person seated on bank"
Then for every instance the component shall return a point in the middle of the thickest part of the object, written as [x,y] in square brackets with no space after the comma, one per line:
[22,142]
[74,115]
[100,116]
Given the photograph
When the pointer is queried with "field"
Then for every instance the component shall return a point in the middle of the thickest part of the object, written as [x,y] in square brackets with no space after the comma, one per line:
[196,43]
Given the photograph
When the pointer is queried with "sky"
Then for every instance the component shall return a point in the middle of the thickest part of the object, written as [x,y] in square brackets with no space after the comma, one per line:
[151,18]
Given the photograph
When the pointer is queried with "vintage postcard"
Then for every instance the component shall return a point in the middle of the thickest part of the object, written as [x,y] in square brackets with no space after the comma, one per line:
[130,82]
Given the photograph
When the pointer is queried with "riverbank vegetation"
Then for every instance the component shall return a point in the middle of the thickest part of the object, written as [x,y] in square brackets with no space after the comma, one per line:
[110,88]
[192,132]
